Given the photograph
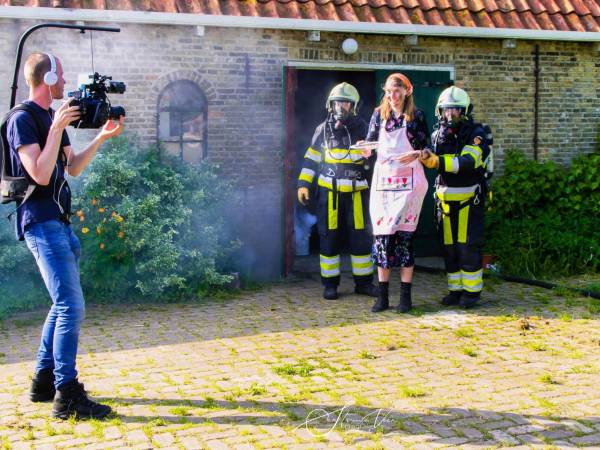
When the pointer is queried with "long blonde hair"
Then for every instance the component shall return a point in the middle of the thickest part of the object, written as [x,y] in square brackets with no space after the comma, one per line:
[385,108]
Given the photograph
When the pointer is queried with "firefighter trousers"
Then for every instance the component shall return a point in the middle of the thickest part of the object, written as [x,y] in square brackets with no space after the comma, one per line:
[460,224]
[338,213]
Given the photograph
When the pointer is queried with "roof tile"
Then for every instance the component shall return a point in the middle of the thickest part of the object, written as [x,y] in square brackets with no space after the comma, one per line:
[565,15]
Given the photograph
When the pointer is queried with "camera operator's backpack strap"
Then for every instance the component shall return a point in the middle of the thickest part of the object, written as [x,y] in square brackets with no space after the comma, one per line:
[16,189]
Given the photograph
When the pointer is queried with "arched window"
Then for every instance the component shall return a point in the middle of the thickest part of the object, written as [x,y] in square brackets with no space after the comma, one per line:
[182,121]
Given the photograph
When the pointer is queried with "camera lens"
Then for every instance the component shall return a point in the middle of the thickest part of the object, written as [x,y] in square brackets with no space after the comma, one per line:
[116,87]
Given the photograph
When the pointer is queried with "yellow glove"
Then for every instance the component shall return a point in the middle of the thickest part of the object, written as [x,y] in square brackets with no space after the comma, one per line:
[429,160]
[303,195]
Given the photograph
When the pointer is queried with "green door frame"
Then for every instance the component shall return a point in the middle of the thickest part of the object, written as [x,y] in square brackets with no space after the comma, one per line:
[428,83]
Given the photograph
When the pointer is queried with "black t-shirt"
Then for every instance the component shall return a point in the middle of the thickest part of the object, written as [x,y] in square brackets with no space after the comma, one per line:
[47,202]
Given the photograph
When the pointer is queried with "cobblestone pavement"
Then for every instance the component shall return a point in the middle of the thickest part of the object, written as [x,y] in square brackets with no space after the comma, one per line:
[282,368]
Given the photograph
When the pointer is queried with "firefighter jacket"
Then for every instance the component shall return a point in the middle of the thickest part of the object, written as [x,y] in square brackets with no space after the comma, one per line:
[330,161]
[462,151]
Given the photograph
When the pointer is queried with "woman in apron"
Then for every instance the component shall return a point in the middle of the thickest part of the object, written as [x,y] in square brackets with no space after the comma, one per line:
[398,186]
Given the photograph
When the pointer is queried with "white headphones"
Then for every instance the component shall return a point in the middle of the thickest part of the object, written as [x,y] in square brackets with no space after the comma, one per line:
[51,78]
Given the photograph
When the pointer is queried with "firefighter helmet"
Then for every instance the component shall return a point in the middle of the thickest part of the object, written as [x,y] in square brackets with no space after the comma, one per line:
[344,92]
[453,97]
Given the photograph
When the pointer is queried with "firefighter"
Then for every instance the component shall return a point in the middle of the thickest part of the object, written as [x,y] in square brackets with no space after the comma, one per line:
[341,193]
[461,148]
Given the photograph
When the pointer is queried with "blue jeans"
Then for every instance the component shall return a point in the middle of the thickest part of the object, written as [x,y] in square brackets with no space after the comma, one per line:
[56,250]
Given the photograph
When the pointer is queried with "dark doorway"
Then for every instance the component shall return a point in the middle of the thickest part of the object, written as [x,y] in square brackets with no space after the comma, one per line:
[306,94]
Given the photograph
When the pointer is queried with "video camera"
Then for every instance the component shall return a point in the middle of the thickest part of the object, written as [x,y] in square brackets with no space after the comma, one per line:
[94,104]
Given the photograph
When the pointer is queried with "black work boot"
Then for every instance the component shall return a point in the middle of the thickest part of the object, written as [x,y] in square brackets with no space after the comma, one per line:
[383,299]
[469,299]
[72,400]
[42,386]
[453,298]
[330,292]
[366,289]
[405,298]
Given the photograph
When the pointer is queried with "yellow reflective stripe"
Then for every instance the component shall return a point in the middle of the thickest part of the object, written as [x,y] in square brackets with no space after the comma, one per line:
[361,271]
[330,266]
[450,163]
[463,224]
[343,156]
[446,225]
[361,264]
[454,194]
[454,281]
[359,219]
[358,259]
[332,214]
[474,152]
[307,175]
[342,185]
[311,153]
[472,281]
[454,197]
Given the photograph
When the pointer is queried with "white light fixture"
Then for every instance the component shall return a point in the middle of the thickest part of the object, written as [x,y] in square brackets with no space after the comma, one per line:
[509,43]
[200,30]
[349,46]
[313,35]
[411,39]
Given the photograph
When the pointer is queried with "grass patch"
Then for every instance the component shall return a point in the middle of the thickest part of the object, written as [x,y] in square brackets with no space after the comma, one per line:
[301,368]
[180,411]
[538,346]
[366,355]
[466,332]
[548,379]
[413,392]
[469,351]
[256,389]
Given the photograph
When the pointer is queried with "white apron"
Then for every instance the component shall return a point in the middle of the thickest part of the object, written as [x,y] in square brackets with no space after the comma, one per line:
[397,190]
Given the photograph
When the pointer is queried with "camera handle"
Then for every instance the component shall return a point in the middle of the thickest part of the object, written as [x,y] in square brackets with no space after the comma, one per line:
[26,34]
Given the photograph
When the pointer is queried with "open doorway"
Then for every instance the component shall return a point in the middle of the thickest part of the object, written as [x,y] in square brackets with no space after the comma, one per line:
[306,92]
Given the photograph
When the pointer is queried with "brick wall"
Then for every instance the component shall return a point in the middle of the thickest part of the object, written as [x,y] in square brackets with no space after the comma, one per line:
[240,71]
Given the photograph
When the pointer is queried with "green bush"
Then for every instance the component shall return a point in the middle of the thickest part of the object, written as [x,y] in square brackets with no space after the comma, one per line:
[542,221]
[150,229]
[21,286]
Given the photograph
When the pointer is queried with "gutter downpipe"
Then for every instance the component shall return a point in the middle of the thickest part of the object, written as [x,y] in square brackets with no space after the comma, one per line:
[162,18]
[536,100]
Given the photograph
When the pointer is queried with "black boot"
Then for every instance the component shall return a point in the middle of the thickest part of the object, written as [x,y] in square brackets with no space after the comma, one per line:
[453,298]
[405,298]
[330,292]
[42,386]
[366,289]
[72,400]
[383,300]
[469,299]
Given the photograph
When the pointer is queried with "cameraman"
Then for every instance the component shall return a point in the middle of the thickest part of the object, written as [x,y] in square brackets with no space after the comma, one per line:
[44,155]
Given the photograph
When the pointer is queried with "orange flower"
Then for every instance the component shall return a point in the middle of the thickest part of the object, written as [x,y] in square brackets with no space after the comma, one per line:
[85,230]
[79,213]
[114,213]
[94,201]
[82,217]
[101,246]
[120,235]
[101,210]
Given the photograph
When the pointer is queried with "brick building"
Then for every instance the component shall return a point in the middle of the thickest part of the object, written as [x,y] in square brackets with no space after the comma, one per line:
[243,83]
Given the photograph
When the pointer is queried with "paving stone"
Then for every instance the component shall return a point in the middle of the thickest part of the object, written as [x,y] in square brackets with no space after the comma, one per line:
[590,439]
[213,381]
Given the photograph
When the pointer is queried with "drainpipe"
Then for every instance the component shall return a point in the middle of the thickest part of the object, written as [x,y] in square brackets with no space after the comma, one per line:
[536,100]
